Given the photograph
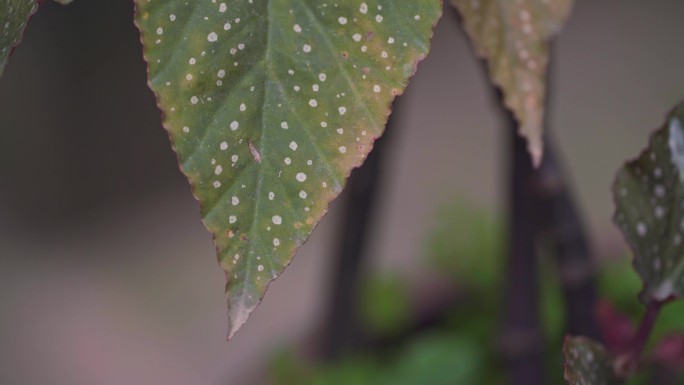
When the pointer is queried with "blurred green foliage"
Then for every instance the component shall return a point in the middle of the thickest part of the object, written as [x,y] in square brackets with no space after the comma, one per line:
[466,245]
[384,305]
[439,358]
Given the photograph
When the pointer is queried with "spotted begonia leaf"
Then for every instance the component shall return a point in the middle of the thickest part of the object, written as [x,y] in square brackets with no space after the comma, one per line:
[649,200]
[14,14]
[513,37]
[588,363]
[269,105]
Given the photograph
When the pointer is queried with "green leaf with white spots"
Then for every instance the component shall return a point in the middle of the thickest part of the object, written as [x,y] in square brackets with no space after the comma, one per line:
[14,15]
[649,200]
[269,105]
[513,36]
[588,363]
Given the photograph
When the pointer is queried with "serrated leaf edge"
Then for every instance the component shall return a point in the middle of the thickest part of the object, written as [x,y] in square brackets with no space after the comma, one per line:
[234,325]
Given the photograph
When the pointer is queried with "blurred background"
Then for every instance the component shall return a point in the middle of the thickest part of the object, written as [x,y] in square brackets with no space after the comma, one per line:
[108,277]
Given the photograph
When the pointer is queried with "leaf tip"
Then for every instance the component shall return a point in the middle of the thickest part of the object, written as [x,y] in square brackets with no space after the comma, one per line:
[237,316]
[535,146]
[537,154]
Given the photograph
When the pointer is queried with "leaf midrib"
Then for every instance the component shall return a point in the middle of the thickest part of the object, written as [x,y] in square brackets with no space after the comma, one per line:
[249,263]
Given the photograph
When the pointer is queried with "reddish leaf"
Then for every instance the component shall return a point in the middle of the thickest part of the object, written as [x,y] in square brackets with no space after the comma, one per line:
[670,352]
[617,328]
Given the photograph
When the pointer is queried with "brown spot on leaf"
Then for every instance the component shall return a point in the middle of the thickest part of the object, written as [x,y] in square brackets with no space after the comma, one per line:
[255,153]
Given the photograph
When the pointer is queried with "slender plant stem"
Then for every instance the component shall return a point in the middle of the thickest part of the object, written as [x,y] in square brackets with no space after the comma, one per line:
[340,329]
[626,363]
[521,338]
[644,331]
[559,223]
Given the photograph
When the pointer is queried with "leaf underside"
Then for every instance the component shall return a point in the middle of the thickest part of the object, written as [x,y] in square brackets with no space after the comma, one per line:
[269,106]
[649,210]
[513,36]
[587,363]
[14,15]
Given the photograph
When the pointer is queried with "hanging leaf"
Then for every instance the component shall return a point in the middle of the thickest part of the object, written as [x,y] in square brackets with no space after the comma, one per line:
[513,36]
[649,200]
[587,363]
[14,15]
[269,105]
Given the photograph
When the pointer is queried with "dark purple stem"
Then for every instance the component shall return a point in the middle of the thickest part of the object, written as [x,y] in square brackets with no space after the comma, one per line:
[521,344]
[559,225]
[641,336]
[626,363]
